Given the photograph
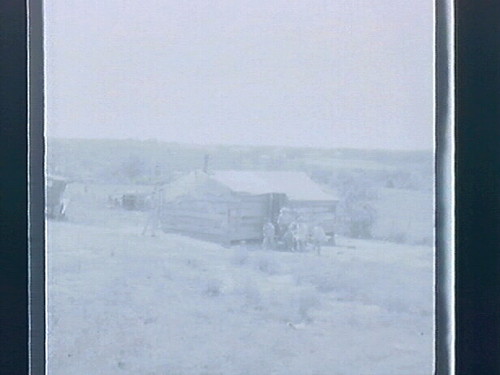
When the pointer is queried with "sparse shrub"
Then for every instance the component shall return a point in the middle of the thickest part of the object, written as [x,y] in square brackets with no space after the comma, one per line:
[355,215]
[240,256]
[398,237]
[424,241]
[213,288]
[268,265]
[394,304]
[133,167]
[252,294]
[325,283]
[193,263]
[299,280]
[307,300]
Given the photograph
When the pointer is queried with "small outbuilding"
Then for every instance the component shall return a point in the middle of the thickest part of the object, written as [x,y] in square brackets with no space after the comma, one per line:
[55,205]
[229,206]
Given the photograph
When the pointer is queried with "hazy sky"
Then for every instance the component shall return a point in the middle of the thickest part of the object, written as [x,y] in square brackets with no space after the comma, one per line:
[322,73]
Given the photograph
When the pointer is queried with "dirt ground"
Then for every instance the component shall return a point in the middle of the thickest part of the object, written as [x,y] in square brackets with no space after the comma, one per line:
[123,303]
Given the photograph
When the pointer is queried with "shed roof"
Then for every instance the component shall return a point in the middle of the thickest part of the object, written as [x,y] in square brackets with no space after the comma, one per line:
[194,184]
[296,185]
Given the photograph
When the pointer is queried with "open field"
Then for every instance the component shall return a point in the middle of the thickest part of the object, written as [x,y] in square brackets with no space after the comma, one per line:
[122,303]
[404,216]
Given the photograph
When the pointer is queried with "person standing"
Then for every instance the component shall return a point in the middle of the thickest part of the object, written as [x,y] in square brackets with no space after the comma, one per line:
[154,214]
[284,220]
[269,232]
[301,235]
[318,238]
[289,240]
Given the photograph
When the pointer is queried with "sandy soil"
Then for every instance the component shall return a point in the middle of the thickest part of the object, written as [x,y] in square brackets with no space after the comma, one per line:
[122,303]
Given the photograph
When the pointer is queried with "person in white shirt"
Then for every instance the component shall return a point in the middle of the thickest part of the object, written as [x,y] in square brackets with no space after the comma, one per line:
[301,232]
[284,220]
[269,234]
[318,237]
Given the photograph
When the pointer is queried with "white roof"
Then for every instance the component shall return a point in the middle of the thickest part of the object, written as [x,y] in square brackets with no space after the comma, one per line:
[296,185]
[193,184]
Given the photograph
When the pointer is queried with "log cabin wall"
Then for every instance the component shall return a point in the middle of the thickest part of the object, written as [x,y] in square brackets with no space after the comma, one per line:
[201,217]
[248,216]
[238,217]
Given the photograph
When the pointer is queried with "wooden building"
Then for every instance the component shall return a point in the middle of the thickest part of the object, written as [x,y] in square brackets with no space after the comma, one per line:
[229,206]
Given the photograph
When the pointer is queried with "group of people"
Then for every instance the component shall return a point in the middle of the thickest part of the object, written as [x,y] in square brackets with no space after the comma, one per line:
[293,233]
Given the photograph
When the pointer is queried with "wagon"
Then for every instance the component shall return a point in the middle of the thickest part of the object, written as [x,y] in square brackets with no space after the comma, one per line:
[134,201]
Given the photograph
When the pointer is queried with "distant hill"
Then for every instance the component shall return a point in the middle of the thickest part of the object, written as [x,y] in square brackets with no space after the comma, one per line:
[397,185]
[111,160]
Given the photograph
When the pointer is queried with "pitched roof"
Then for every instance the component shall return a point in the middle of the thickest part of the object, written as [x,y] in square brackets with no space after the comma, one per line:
[296,185]
[194,184]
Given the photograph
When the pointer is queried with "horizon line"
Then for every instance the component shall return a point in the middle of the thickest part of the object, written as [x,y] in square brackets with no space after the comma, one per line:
[432,149]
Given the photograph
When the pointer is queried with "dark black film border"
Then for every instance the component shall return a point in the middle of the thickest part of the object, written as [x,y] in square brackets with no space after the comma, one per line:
[13,189]
[36,180]
[477,186]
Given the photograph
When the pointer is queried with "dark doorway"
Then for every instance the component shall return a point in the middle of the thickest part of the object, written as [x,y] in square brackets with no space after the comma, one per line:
[276,202]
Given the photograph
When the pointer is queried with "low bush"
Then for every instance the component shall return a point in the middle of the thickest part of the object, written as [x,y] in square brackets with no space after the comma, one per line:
[213,288]
[240,256]
[267,264]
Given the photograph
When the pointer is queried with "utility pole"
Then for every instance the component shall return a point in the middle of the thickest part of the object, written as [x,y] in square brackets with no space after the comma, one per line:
[205,163]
